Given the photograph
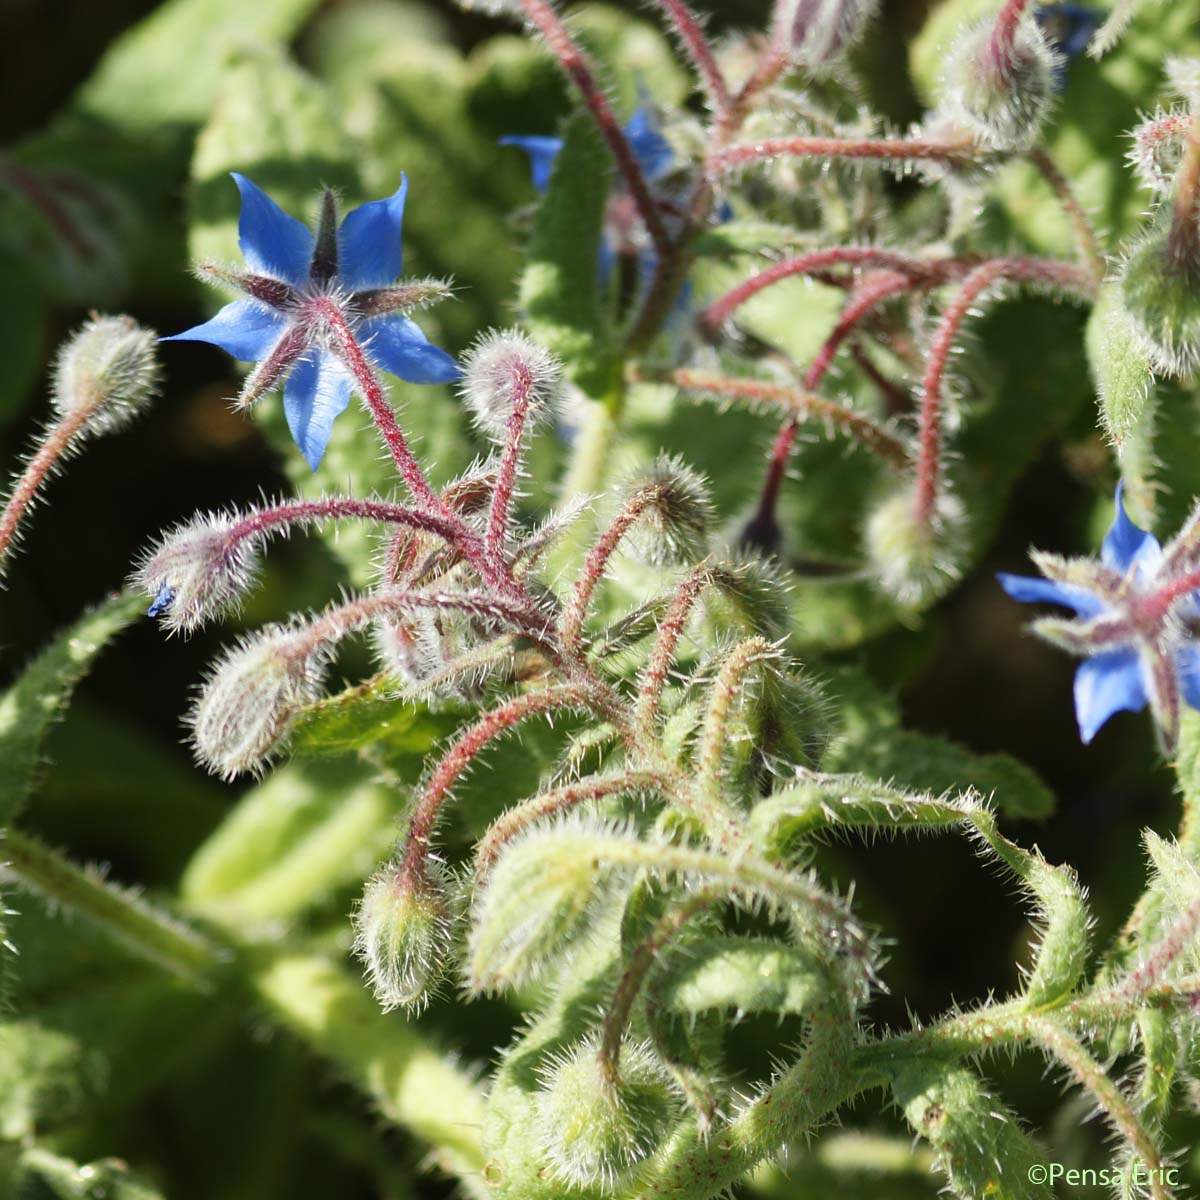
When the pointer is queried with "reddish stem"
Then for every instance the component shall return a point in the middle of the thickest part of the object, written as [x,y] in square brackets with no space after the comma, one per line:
[1004,34]
[506,474]
[55,443]
[1085,235]
[575,612]
[873,290]
[557,800]
[876,148]
[333,507]
[1046,272]
[658,665]
[792,401]
[691,34]
[462,754]
[1184,239]
[816,262]
[576,66]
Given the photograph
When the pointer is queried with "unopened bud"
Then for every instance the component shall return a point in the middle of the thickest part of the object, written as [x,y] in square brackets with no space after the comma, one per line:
[1158,145]
[818,31]
[1001,95]
[1160,290]
[197,572]
[402,935]
[596,1128]
[108,371]
[252,697]
[674,521]
[536,898]
[913,560]
[505,366]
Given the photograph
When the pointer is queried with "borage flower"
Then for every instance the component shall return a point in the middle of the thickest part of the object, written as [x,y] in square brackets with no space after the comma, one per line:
[309,299]
[1137,615]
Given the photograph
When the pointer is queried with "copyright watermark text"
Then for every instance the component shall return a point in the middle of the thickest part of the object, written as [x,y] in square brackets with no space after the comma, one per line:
[1137,1175]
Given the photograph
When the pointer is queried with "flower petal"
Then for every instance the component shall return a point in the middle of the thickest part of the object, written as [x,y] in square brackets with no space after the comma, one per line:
[369,252]
[1126,545]
[542,152]
[1105,684]
[397,345]
[652,151]
[316,394]
[272,242]
[1029,589]
[245,329]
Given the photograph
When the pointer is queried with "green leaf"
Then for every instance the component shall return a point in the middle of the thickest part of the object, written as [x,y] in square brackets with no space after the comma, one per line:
[373,713]
[23,327]
[169,67]
[292,841]
[976,1139]
[40,1175]
[42,692]
[1120,369]
[872,744]
[741,974]
[559,291]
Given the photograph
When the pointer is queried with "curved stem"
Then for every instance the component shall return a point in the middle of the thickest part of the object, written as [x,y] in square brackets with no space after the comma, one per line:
[56,442]
[510,462]
[958,153]
[818,261]
[791,401]
[658,665]
[462,753]
[1045,272]
[150,934]
[577,68]
[691,34]
[1085,234]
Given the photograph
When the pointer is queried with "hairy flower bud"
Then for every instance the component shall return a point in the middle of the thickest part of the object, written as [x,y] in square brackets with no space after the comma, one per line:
[818,31]
[595,1128]
[1157,149]
[1160,289]
[504,367]
[108,371]
[402,934]
[674,519]
[197,572]
[915,561]
[536,899]
[247,706]
[1001,94]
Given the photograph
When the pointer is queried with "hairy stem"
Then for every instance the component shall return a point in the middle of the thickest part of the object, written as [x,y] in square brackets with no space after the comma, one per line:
[149,933]
[956,153]
[577,68]
[691,34]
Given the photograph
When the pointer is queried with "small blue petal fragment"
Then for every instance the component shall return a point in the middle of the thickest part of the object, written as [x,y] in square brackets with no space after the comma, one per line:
[272,242]
[1126,545]
[369,251]
[397,344]
[1069,27]
[652,151]
[163,600]
[542,152]
[245,329]
[1106,684]
[316,394]
[1030,589]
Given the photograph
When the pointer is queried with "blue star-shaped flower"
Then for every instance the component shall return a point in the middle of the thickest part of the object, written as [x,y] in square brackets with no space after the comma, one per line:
[306,294]
[1137,612]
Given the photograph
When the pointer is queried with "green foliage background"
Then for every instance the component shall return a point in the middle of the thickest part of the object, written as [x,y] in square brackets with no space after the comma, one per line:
[152,106]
